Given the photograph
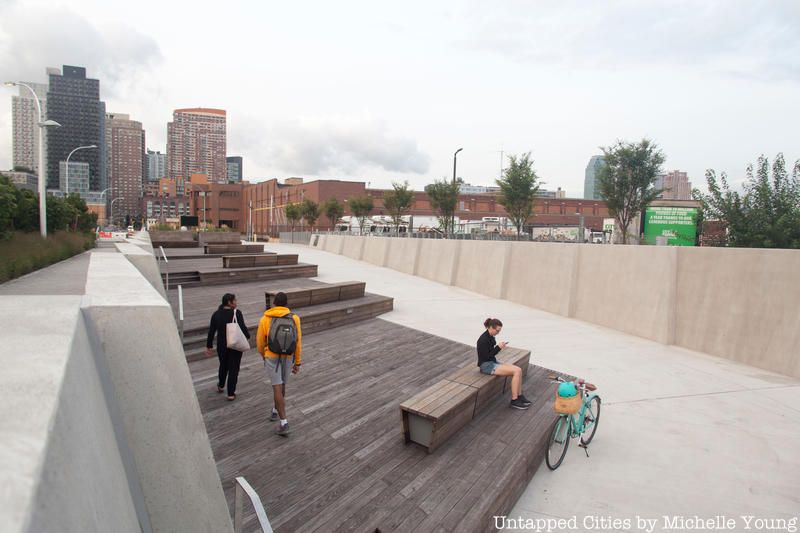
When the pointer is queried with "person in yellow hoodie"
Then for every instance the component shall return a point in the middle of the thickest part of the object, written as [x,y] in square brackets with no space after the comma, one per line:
[279,341]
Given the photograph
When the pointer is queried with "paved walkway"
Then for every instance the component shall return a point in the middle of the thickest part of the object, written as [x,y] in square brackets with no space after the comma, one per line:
[682,434]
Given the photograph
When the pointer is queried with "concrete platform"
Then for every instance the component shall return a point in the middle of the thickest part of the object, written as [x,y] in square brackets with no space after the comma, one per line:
[682,433]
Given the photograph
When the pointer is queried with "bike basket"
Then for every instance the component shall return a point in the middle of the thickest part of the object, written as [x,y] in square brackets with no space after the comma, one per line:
[567,406]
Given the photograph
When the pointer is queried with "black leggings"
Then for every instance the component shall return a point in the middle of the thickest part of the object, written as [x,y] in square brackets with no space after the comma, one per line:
[229,361]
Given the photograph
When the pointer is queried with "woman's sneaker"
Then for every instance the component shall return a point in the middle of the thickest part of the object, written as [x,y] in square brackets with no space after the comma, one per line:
[524,400]
[519,404]
[283,429]
[273,417]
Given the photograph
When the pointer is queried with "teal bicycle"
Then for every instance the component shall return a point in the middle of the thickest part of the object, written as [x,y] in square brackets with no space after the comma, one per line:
[582,423]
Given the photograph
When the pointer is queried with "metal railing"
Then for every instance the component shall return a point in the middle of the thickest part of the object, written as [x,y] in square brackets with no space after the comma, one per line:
[180,311]
[242,488]
[166,261]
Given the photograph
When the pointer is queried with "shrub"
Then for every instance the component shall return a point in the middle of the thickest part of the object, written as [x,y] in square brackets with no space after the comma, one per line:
[25,252]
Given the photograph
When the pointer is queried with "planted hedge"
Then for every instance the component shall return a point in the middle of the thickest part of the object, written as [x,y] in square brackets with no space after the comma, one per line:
[25,252]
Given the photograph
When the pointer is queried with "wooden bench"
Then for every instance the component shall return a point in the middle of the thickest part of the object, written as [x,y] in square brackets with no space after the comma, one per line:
[254,260]
[214,249]
[433,415]
[333,292]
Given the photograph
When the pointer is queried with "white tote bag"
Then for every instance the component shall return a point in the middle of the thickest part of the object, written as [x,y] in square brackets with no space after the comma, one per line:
[235,336]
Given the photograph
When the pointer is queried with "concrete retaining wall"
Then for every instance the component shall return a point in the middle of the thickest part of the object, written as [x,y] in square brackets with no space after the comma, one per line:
[541,276]
[402,254]
[101,428]
[740,304]
[375,251]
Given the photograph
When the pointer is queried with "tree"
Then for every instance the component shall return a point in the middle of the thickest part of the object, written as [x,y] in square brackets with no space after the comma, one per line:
[398,201]
[26,217]
[8,206]
[361,207]
[518,189]
[310,211]
[627,181]
[443,196]
[767,215]
[293,214]
[333,210]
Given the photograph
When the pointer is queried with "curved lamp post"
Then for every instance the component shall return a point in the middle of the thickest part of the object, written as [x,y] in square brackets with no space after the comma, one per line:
[112,208]
[42,125]
[103,194]
[66,172]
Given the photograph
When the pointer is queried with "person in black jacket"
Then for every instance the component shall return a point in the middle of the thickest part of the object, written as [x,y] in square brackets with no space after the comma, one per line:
[229,360]
[487,350]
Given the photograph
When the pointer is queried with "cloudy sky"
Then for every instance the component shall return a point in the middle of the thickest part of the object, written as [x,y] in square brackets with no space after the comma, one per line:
[380,91]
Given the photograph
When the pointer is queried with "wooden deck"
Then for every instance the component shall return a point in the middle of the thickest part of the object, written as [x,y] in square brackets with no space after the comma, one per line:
[345,466]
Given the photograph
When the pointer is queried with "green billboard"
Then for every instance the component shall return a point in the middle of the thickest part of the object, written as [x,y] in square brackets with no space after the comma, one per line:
[677,224]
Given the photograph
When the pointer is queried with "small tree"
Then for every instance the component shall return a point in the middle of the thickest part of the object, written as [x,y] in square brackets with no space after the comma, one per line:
[293,214]
[443,196]
[398,201]
[361,207]
[627,180]
[333,211]
[310,212]
[518,189]
[767,215]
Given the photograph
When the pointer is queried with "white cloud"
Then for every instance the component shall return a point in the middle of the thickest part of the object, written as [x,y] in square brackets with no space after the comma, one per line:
[314,147]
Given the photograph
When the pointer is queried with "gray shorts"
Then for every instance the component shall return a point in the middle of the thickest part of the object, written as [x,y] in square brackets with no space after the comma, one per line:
[278,369]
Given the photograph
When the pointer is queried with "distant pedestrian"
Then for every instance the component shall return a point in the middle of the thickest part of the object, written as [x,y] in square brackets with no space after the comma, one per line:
[487,350]
[229,360]
[279,341]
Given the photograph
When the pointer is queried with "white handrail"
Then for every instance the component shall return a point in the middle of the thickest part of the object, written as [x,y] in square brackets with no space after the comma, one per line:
[180,310]
[166,261]
[243,486]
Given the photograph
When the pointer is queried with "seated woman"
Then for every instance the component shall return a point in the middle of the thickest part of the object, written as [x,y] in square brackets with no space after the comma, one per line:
[487,350]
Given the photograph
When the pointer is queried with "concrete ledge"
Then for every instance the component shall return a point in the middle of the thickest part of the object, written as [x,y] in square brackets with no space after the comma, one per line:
[100,426]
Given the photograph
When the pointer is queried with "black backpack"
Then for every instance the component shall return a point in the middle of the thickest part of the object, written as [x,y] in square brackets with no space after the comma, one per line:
[282,339]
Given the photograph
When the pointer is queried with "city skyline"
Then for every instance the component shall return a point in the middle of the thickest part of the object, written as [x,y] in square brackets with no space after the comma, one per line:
[392,93]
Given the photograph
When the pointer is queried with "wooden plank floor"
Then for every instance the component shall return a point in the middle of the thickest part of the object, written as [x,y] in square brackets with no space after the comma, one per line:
[345,466]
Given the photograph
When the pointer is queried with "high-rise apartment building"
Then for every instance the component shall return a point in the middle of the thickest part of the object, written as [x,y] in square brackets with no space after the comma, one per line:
[24,126]
[73,100]
[125,148]
[196,144]
[156,165]
[675,186]
[590,183]
[234,169]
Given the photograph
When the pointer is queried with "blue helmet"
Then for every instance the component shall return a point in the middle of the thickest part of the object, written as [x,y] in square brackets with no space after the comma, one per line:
[567,390]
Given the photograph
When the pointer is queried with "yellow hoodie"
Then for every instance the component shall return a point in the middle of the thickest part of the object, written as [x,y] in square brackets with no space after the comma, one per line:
[263,333]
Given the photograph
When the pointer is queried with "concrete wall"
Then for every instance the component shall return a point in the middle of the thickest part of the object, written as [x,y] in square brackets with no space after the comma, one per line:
[101,428]
[437,261]
[741,304]
[375,251]
[541,276]
[402,254]
[627,288]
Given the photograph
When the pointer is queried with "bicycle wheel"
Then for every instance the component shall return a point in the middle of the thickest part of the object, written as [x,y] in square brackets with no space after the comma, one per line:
[558,443]
[590,420]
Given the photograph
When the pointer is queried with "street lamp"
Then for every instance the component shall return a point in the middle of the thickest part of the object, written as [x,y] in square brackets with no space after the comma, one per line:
[455,155]
[66,172]
[112,208]
[42,124]
[103,194]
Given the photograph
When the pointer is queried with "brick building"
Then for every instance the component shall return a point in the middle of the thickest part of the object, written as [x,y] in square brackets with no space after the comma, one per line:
[196,144]
[270,197]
